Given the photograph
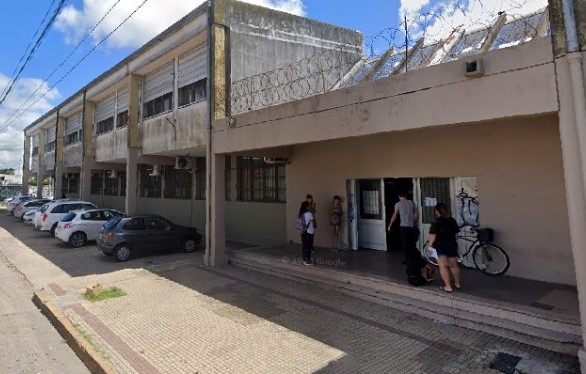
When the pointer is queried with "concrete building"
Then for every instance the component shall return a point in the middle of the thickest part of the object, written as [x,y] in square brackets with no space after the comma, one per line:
[136,137]
[229,112]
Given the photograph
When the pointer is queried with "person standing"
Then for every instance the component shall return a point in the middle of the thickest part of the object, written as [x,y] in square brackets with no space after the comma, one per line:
[307,235]
[443,236]
[312,206]
[335,219]
[408,214]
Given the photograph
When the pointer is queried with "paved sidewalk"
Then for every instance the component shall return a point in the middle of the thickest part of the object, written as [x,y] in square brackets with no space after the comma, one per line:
[191,319]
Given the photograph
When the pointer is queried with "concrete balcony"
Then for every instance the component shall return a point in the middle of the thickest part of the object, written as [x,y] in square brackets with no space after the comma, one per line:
[112,146]
[168,135]
[49,160]
[73,155]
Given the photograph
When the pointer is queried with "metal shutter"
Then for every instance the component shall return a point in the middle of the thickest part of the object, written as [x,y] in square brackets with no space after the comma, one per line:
[193,66]
[122,103]
[73,123]
[50,134]
[158,83]
[105,108]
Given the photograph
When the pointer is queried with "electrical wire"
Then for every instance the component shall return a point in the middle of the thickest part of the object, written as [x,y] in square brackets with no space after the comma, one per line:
[9,122]
[11,118]
[33,49]
[28,47]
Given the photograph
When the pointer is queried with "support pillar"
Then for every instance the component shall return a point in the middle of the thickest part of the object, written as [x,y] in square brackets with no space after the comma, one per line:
[131,181]
[215,254]
[41,163]
[26,161]
[133,144]
[88,151]
[59,157]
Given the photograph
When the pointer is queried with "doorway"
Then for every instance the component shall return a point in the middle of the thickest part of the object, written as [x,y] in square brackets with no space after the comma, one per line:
[392,187]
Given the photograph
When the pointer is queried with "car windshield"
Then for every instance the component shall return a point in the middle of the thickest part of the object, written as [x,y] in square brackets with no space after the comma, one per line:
[44,208]
[111,223]
[68,217]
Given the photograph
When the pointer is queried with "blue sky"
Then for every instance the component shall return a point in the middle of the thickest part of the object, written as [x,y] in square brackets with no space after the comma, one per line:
[20,20]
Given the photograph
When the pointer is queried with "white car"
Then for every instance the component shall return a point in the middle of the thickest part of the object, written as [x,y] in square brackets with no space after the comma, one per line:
[22,208]
[48,216]
[29,215]
[17,200]
[77,228]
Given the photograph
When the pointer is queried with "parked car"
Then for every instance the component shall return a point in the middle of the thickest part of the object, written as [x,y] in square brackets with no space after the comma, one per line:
[29,216]
[48,216]
[77,228]
[17,200]
[23,207]
[124,236]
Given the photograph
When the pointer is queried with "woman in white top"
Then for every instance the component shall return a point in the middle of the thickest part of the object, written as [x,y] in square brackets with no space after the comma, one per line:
[308,233]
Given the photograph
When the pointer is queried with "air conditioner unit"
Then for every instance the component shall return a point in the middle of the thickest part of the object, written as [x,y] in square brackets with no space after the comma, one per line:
[155,171]
[474,68]
[113,174]
[275,160]
[183,163]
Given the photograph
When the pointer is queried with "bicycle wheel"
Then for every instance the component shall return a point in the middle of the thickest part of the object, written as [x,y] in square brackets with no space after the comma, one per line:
[432,260]
[491,259]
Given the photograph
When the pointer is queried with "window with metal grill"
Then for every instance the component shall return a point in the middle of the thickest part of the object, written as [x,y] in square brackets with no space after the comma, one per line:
[178,183]
[200,178]
[259,181]
[111,185]
[97,184]
[149,186]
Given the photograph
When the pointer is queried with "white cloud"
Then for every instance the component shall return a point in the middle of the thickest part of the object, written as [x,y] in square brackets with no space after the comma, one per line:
[438,18]
[154,17]
[13,120]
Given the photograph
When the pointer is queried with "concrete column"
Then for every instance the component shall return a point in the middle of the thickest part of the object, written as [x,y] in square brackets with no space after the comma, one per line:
[215,254]
[88,149]
[26,161]
[133,144]
[575,189]
[41,163]
[59,157]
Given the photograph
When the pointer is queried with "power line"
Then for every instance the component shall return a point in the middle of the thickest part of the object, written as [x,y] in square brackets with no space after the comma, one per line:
[34,49]
[61,64]
[28,47]
[11,121]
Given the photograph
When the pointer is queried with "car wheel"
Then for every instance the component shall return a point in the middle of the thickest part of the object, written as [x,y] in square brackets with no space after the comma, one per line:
[53,229]
[189,245]
[122,252]
[77,239]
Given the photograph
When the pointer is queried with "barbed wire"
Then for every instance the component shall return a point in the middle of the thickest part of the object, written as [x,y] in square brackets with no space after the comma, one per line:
[443,33]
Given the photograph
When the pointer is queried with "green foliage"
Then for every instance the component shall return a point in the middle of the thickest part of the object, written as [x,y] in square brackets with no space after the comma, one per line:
[109,293]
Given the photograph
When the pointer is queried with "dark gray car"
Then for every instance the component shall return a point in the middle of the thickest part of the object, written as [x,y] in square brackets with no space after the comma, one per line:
[123,236]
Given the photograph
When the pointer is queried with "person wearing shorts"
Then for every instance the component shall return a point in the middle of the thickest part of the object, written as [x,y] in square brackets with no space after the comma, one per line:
[443,236]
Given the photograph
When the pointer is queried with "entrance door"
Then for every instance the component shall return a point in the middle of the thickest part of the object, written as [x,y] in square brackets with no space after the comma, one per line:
[352,214]
[371,214]
[393,186]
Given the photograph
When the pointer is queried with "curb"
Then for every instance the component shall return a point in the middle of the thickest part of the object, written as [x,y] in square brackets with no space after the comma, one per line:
[85,351]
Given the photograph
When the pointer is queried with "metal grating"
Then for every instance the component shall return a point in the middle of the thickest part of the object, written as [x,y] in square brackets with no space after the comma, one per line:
[517,31]
[468,44]
[389,66]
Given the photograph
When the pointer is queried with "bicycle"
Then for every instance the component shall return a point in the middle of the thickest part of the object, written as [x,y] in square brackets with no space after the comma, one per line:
[487,256]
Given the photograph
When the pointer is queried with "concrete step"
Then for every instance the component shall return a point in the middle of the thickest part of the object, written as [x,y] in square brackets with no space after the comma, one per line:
[520,323]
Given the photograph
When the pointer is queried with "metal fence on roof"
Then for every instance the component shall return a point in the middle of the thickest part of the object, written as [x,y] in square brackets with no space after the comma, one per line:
[413,45]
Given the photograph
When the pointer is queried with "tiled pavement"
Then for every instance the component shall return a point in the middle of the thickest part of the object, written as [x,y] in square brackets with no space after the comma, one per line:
[191,319]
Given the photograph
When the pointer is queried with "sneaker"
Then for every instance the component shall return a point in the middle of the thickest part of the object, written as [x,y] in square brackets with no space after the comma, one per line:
[307,263]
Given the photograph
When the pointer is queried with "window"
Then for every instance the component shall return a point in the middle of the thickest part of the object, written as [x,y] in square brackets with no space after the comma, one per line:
[149,186]
[158,91]
[177,183]
[50,146]
[74,137]
[105,126]
[193,92]
[97,184]
[157,224]
[200,178]
[159,105]
[111,186]
[258,181]
[35,150]
[70,183]
[123,183]
[122,119]
[135,224]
